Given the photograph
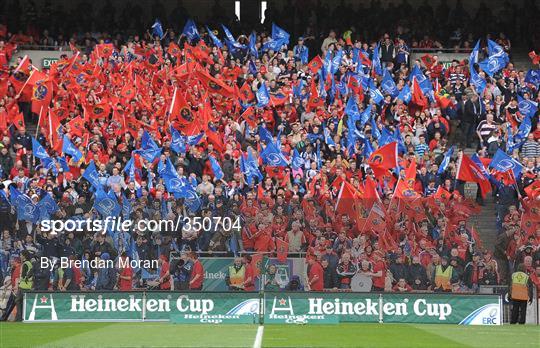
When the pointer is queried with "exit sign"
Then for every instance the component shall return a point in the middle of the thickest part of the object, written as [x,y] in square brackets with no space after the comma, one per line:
[47,62]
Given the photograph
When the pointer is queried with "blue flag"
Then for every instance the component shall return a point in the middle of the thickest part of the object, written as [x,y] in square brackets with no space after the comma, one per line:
[46,207]
[375,130]
[91,174]
[127,207]
[190,31]
[272,156]
[250,168]
[388,85]
[106,203]
[374,93]
[376,61]
[149,149]
[69,149]
[367,149]
[193,140]
[480,165]
[265,135]
[446,160]
[533,77]
[336,62]
[263,97]
[217,42]
[405,94]
[502,162]
[351,109]
[26,209]
[524,129]
[496,60]
[157,29]
[178,143]
[473,57]
[129,169]
[231,42]
[527,107]
[297,161]
[39,150]
[253,45]
[365,116]
[216,168]
[423,81]
[328,137]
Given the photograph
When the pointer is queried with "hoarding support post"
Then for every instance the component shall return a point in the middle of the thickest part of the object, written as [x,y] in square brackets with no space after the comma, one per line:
[381,320]
[261,307]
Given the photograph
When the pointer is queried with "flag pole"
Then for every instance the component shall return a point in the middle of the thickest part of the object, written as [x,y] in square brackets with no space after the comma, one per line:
[39,121]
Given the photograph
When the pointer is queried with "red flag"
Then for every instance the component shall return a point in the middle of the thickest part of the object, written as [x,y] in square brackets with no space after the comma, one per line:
[42,90]
[104,50]
[533,190]
[282,250]
[383,159]
[128,91]
[376,219]
[18,120]
[246,94]
[214,85]
[314,99]
[405,187]
[427,59]
[347,200]
[100,110]
[256,263]
[76,126]
[180,109]
[315,65]
[249,116]
[418,97]
[469,171]
[214,138]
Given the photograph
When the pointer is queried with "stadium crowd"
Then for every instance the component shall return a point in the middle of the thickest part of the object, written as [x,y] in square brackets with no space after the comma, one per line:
[348,154]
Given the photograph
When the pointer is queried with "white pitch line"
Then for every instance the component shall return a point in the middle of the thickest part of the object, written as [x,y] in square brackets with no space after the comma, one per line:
[259,337]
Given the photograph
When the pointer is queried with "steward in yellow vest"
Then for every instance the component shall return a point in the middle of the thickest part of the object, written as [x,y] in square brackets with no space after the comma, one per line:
[443,276]
[236,276]
[26,281]
[520,292]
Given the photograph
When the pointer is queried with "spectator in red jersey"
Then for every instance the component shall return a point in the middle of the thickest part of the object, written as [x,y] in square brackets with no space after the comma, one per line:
[125,273]
[402,286]
[164,274]
[315,281]
[197,273]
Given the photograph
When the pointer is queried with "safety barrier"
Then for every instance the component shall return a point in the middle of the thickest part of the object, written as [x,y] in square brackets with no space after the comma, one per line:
[262,307]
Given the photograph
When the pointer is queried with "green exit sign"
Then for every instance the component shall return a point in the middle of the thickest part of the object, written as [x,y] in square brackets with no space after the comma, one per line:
[47,62]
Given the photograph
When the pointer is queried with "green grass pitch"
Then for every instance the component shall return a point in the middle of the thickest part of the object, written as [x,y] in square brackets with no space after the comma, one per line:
[82,335]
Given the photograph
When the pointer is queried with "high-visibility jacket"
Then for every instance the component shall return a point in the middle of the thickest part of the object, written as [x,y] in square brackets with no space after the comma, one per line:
[236,276]
[27,280]
[519,289]
[443,279]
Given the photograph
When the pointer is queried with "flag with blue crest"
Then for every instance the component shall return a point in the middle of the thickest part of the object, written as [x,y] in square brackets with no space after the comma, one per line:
[106,203]
[376,61]
[365,116]
[527,107]
[91,174]
[272,156]
[26,209]
[446,160]
[217,42]
[178,143]
[250,168]
[38,150]
[524,129]
[265,135]
[533,77]
[327,136]
[502,163]
[388,85]
[253,45]
[375,131]
[297,161]
[216,168]
[157,29]
[69,149]
[405,94]
[46,207]
[263,97]
[374,93]
[190,31]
